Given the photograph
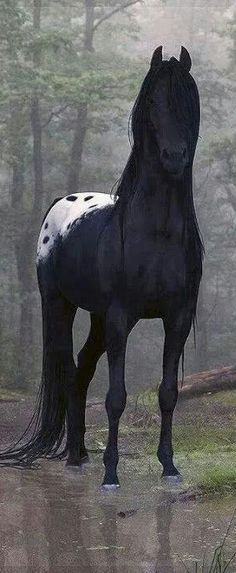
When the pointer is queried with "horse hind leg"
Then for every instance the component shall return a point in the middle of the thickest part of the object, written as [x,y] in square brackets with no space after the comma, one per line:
[88,357]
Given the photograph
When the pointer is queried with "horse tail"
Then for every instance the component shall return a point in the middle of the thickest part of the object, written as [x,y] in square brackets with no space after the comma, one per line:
[48,423]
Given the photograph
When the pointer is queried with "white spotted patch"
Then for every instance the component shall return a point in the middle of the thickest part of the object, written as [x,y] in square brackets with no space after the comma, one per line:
[62,215]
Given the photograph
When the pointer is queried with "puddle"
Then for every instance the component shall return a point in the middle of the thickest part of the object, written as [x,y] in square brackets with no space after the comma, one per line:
[53,520]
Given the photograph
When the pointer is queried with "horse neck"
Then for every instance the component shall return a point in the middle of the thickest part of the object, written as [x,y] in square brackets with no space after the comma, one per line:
[159,204]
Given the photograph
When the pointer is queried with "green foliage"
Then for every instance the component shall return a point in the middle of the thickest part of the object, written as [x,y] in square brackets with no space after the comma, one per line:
[204,444]
[219,479]
[12,20]
[67,75]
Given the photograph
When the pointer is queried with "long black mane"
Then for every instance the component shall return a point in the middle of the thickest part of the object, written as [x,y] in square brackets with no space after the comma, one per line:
[184,100]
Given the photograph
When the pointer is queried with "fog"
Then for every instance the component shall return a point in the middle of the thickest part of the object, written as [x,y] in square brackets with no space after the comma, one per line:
[69,74]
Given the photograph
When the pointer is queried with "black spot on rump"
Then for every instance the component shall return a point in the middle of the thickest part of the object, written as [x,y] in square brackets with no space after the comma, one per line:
[45,240]
[88,198]
[46,226]
[68,226]
[91,206]
[71,198]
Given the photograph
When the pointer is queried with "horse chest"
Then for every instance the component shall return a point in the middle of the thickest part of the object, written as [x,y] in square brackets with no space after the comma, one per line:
[155,269]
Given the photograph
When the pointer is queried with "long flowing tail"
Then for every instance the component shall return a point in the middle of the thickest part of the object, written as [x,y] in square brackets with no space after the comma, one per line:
[47,425]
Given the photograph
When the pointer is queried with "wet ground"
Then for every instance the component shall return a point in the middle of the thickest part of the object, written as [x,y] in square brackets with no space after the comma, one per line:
[55,520]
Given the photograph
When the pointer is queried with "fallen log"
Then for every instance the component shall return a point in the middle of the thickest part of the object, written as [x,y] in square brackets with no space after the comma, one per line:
[206,382]
[209,381]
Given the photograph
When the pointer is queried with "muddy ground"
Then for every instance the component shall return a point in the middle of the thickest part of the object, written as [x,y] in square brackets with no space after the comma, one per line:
[54,520]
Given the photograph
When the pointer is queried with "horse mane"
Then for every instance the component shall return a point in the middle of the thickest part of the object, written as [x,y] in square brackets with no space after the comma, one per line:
[181,88]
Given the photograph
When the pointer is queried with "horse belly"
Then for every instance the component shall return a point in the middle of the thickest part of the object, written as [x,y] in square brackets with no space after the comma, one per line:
[81,287]
[77,266]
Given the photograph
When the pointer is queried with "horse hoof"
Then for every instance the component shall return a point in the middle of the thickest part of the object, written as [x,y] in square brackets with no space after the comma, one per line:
[172,480]
[110,486]
[73,464]
[73,467]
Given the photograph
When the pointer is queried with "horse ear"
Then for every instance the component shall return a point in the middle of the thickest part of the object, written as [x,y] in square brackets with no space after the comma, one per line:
[156,58]
[185,59]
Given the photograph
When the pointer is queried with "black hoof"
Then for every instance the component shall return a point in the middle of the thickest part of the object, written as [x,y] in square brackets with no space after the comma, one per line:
[77,458]
[73,463]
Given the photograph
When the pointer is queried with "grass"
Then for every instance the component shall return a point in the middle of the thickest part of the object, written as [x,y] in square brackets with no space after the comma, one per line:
[226,397]
[197,439]
[219,564]
[218,478]
[204,439]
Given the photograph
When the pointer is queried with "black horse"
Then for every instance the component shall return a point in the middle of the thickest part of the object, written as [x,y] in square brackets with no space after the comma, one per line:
[136,255]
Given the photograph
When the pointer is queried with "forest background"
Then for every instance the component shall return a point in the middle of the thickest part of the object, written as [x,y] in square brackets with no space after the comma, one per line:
[69,74]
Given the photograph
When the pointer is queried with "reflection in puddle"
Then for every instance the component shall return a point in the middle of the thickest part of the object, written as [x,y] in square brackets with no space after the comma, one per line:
[53,521]
[164,559]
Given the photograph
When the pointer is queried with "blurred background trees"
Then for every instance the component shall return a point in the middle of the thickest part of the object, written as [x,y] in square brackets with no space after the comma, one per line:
[69,74]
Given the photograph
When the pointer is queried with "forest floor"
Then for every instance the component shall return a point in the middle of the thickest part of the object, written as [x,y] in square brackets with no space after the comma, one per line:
[204,440]
[145,526]
[204,435]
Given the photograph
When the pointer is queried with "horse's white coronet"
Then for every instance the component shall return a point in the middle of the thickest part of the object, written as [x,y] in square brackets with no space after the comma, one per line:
[62,215]
[110,486]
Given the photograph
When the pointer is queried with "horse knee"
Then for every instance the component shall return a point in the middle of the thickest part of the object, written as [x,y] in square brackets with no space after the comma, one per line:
[115,403]
[168,395]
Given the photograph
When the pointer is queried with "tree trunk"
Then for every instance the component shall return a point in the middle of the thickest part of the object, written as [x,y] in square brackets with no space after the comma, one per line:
[17,146]
[25,354]
[89,25]
[26,242]
[37,206]
[24,246]
[79,135]
[18,180]
[77,149]
[36,126]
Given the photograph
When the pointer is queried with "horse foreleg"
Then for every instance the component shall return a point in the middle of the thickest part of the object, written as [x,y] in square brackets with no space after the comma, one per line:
[176,333]
[93,348]
[116,340]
